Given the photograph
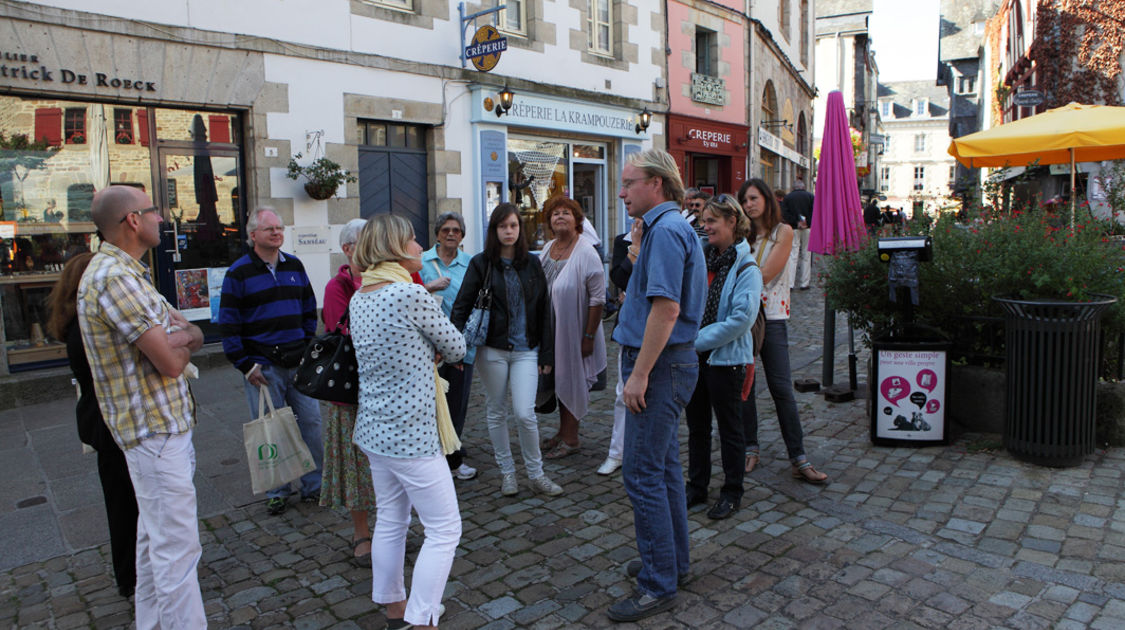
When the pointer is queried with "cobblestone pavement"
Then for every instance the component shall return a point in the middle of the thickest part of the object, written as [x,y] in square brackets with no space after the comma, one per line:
[962,536]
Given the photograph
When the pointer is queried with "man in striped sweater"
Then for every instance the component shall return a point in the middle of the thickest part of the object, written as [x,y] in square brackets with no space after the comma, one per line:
[268,314]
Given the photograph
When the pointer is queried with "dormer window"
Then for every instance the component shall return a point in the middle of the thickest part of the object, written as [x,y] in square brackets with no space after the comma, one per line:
[920,107]
[885,109]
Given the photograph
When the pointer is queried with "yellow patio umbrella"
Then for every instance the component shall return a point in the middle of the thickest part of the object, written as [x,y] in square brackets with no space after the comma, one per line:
[1068,134]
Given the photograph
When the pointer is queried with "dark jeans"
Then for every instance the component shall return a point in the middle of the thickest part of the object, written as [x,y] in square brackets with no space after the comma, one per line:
[720,389]
[121,510]
[775,359]
[458,399]
[651,470]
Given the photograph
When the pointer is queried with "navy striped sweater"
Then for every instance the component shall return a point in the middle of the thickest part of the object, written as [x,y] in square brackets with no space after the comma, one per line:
[263,319]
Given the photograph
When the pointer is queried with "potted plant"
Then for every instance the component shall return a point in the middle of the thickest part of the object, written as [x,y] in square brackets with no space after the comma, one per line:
[324,176]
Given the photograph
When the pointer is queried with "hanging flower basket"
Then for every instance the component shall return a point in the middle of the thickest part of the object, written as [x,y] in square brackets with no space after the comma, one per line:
[320,191]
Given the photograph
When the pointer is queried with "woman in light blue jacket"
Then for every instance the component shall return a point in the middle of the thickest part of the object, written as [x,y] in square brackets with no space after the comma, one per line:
[725,348]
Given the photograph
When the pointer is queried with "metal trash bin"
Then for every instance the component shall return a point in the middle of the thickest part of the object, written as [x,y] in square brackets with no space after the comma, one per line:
[1053,353]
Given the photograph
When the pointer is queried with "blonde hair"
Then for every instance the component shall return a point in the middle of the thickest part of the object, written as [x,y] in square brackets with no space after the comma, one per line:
[384,238]
[657,163]
[726,206]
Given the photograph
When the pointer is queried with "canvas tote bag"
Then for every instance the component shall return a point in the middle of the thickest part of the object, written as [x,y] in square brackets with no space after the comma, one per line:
[274,448]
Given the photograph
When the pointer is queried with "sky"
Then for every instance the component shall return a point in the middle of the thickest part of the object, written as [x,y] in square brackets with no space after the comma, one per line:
[904,35]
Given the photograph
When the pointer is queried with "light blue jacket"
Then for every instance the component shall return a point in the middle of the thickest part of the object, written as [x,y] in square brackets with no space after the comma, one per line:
[729,338]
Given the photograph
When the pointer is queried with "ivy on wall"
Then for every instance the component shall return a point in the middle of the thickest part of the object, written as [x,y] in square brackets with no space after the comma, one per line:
[1077,50]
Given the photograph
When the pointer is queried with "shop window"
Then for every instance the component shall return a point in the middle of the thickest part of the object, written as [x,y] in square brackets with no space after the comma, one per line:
[537,171]
[219,128]
[513,19]
[74,125]
[122,125]
[599,24]
[705,49]
[588,151]
[919,178]
[48,125]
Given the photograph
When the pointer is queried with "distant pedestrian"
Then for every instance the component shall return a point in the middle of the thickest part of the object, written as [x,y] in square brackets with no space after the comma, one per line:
[346,481]
[726,348]
[872,218]
[267,313]
[658,324]
[403,423]
[113,471]
[770,242]
[694,200]
[139,347]
[519,345]
[799,204]
[576,280]
[443,270]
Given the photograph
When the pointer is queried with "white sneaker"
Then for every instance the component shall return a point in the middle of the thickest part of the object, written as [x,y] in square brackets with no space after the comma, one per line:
[543,485]
[465,472]
[609,466]
[508,485]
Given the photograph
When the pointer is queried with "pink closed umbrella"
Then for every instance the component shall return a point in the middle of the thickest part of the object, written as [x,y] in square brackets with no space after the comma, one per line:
[837,214]
[837,223]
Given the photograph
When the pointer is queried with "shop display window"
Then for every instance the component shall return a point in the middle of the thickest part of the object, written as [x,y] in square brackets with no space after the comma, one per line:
[537,171]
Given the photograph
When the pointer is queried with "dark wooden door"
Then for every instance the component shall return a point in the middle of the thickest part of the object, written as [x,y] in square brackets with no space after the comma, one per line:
[394,181]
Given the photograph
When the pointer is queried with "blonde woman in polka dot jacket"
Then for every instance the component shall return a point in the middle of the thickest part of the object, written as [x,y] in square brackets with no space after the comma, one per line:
[398,333]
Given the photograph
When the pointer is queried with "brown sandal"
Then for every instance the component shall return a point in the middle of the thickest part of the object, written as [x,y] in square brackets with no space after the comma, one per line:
[805,472]
[751,462]
[549,444]
[562,449]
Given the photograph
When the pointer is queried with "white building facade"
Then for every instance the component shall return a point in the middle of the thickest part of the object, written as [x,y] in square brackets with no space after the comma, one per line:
[203,103]
[916,171]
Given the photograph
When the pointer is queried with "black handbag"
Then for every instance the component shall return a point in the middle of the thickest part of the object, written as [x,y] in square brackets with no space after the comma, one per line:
[328,369]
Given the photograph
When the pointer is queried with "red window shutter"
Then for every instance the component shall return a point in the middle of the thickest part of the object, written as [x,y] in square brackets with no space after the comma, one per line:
[220,128]
[48,125]
[142,126]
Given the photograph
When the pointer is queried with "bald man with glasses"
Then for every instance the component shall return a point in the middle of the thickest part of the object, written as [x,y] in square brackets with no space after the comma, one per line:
[139,347]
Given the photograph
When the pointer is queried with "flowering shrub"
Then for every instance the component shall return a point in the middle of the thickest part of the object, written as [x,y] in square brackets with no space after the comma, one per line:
[1030,255]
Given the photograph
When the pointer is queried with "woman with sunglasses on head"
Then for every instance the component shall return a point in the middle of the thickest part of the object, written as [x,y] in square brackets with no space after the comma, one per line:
[771,241]
[725,347]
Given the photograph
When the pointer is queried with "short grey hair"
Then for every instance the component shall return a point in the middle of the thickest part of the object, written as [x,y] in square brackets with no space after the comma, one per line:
[449,216]
[799,184]
[350,234]
[255,217]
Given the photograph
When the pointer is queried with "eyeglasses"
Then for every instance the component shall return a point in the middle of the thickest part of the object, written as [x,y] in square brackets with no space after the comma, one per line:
[139,213]
[449,230]
[626,183]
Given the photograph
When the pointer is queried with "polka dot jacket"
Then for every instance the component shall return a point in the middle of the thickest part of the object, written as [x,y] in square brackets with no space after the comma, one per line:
[395,331]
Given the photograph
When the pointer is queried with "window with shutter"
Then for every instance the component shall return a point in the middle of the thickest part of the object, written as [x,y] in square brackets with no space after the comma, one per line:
[142,126]
[48,125]
[220,128]
[122,125]
[74,125]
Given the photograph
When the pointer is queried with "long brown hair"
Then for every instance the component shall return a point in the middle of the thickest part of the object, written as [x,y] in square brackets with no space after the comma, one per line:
[770,217]
[492,237]
[62,303]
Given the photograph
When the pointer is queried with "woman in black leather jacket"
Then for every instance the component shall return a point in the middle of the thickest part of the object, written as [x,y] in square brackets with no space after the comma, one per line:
[519,345]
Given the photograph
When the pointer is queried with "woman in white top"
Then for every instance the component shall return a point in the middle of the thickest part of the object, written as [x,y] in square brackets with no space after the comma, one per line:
[770,241]
[402,424]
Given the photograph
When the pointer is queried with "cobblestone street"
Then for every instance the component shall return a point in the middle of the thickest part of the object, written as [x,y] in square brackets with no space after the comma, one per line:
[962,536]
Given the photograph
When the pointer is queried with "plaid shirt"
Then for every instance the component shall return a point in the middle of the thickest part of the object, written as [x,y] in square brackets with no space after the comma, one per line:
[116,305]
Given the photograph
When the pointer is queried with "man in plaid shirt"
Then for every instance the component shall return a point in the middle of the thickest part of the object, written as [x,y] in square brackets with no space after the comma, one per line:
[139,346]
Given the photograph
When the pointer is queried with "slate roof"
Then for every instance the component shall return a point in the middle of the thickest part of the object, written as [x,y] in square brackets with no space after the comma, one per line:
[956,36]
[905,92]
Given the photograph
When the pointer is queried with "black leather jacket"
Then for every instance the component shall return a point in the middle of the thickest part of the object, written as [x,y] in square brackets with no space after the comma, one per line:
[537,300]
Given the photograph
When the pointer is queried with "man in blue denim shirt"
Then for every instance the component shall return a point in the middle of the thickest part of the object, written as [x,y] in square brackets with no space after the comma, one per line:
[657,326]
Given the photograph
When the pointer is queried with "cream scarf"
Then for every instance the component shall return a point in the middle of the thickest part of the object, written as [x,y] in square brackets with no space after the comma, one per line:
[394,272]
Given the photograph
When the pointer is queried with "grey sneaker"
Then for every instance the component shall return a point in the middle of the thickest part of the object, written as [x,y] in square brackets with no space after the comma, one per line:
[508,485]
[465,472]
[543,485]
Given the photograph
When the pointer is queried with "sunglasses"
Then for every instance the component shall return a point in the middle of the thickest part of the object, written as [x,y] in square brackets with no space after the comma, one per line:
[139,213]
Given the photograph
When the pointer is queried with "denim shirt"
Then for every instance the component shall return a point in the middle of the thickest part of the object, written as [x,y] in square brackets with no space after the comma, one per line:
[670,265]
[517,319]
[729,338]
[455,271]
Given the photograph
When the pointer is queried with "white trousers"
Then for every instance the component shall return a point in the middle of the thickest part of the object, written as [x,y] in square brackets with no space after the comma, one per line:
[617,438]
[800,260]
[503,372]
[425,484]
[168,548]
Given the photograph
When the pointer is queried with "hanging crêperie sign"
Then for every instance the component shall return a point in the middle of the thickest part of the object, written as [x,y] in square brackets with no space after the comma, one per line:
[485,49]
